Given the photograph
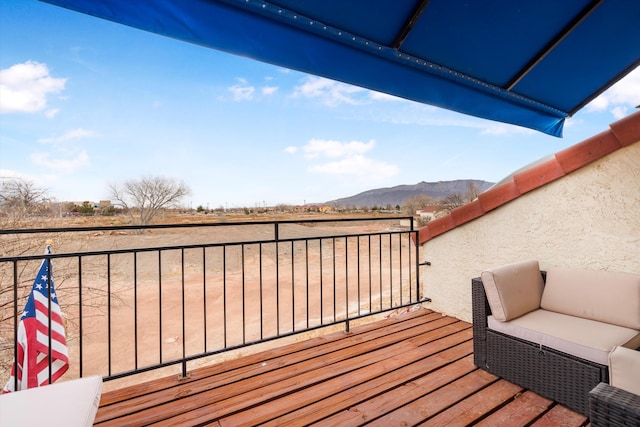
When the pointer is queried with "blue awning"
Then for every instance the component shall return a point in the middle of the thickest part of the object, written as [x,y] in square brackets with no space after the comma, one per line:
[528,62]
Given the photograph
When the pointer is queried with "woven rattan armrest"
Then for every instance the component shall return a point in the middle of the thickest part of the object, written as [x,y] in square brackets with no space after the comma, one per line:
[612,406]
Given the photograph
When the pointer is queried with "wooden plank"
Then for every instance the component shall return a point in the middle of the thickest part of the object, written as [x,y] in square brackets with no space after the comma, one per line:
[431,404]
[304,359]
[229,396]
[559,416]
[236,396]
[356,369]
[476,406]
[345,400]
[375,405]
[392,323]
[310,405]
[524,409]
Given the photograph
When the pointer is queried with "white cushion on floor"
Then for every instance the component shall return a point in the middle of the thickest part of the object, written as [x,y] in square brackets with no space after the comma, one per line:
[71,403]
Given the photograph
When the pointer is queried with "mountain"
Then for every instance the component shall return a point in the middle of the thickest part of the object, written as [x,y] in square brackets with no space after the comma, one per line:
[397,195]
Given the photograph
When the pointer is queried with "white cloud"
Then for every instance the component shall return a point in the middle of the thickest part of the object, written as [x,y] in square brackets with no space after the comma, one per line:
[330,92]
[64,165]
[78,133]
[9,173]
[242,91]
[291,149]
[621,98]
[333,93]
[24,88]
[572,122]
[413,113]
[504,129]
[51,113]
[358,166]
[269,90]
[379,96]
[619,112]
[63,156]
[329,148]
[347,159]
[42,180]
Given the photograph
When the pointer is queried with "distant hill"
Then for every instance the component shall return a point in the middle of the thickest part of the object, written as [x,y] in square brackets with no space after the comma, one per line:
[397,195]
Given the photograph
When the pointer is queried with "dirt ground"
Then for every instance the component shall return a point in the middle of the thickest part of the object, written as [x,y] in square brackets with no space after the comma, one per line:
[215,290]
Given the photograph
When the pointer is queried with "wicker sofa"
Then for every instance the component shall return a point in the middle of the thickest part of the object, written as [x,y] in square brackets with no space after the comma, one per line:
[552,332]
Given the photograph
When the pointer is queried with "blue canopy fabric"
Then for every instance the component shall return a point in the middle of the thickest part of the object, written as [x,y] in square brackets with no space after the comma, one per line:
[527,62]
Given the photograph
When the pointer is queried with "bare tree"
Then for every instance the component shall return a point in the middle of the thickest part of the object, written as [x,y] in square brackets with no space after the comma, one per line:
[20,197]
[145,197]
[454,200]
[412,204]
[472,192]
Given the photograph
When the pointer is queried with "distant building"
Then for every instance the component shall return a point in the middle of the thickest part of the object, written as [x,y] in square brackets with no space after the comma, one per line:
[428,213]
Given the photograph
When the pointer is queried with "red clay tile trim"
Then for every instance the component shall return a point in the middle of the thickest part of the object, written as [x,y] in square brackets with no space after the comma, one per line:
[627,130]
[440,225]
[467,212]
[424,234]
[498,196]
[587,151]
[538,176]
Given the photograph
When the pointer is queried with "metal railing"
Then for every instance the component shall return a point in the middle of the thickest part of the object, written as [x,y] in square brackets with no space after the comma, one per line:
[136,306]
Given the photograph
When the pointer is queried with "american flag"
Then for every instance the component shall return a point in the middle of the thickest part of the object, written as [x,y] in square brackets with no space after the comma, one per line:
[31,366]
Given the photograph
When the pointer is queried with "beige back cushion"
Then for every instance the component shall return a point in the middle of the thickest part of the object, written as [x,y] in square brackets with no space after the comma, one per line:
[624,369]
[605,296]
[513,290]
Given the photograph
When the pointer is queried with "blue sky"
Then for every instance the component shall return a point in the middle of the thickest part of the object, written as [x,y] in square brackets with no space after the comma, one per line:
[86,102]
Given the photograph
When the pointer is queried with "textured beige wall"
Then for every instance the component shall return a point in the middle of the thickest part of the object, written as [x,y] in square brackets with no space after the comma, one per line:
[588,219]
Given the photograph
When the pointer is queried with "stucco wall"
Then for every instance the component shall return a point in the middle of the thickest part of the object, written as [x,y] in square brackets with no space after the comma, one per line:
[588,219]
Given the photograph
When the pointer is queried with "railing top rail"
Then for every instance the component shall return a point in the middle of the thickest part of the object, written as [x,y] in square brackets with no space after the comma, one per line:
[196,246]
[191,225]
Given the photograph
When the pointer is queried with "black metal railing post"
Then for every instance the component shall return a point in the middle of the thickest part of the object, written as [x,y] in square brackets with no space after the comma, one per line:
[109,317]
[204,298]
[276,233]
[135,309]
[15,324]
[80,318]
[183,338]
[346,281]
[160,306]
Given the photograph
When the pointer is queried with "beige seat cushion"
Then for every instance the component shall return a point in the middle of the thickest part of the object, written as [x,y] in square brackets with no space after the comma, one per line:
[513,290]
[584,338]
[606,296]
[624,369]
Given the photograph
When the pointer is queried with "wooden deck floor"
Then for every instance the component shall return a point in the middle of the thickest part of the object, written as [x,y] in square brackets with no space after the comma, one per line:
[410,369]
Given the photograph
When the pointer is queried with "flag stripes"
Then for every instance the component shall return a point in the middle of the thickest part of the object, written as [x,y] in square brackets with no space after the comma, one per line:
[42,346]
